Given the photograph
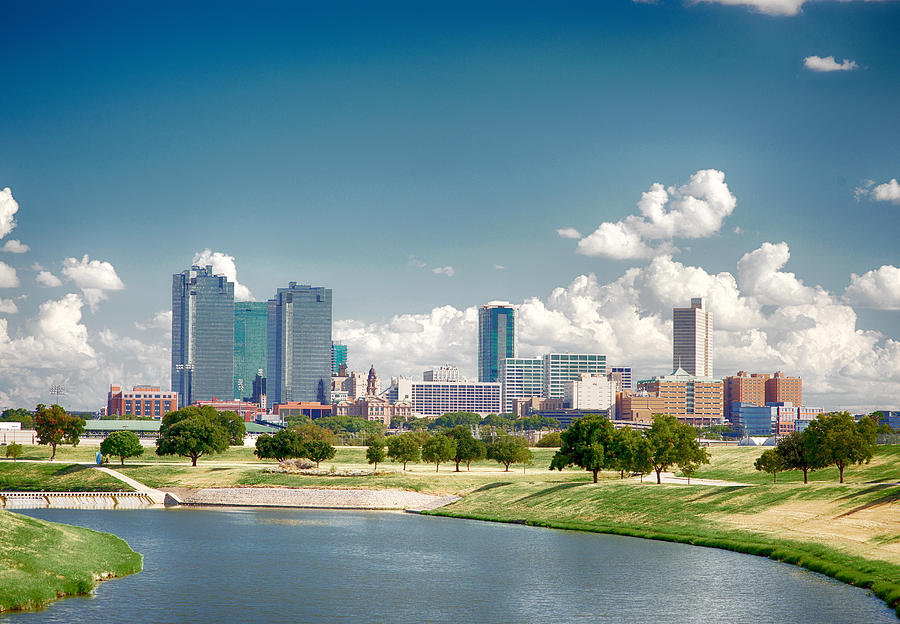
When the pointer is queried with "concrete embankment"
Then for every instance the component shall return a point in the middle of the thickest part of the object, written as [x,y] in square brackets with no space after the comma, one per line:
[315,498]
[74,500]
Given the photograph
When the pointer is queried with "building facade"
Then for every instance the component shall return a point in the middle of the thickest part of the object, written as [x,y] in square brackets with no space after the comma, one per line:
[562,367]
[496,338]
[622,377]
[692,339]
[521,378]
[444,372]
[295,409]
[143,401]
[299,344]
[690,398]
[781,389]
[202,335]
[374,409]
[640,406]
[589,392]
[249,345]
[436,398]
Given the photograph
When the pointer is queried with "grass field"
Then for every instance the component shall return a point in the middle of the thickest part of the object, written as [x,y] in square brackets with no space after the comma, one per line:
[41,561]
[56,477]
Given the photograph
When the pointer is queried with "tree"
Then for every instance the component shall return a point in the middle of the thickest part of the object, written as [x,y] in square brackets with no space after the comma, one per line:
[280,446]
[192,432]
[551,440]
[586,443]
[18,414]
[455,419]
[840,441]
[403,448]
[318,451]
[375,452]
[122,444]
[14,451]
[311,431]
[673,443]
[439,449]
[54,426]
[770,461]
[630,452]
[467,447]
[235,426]
[796,452]
[509,450]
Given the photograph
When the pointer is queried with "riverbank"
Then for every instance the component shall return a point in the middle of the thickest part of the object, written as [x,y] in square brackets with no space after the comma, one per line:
[41,561]
[312,498]
[850,532]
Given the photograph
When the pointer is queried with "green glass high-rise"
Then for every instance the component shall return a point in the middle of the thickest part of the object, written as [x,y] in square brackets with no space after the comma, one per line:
[496,338]
[249,345]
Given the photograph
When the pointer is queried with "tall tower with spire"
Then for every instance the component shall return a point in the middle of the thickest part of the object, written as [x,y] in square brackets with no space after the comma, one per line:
[372,383]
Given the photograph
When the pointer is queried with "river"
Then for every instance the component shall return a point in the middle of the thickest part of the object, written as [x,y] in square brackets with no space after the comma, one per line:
[274,565]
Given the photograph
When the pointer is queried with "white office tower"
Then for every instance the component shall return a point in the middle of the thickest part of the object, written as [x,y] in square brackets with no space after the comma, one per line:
[692,339]
[589,392]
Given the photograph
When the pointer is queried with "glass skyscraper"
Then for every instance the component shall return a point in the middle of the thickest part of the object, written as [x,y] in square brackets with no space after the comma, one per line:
[338,357]
[562,367]
[202,335]
[298,345]
[249,345]
[496,338]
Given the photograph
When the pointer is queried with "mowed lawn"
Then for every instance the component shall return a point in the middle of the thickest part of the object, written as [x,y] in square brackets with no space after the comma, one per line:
[56,477]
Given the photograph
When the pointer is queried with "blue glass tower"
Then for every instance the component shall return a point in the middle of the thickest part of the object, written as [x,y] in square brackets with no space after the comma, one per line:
[338,357]
[496,338]
[299,344]
[202,335]
[249,345]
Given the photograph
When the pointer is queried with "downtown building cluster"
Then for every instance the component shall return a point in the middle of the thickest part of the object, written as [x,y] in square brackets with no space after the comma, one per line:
[275,359]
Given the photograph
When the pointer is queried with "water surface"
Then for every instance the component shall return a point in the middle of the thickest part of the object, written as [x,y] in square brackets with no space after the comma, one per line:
[257,565]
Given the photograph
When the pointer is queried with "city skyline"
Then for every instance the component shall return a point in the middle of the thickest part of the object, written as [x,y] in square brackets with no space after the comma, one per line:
[594,165]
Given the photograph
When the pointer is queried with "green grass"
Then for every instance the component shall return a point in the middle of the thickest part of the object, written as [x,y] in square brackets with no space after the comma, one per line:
[31,477]
[736,464]
[41,561]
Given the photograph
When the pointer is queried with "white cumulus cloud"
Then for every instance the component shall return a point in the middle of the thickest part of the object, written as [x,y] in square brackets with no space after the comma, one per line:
[58,348]
[14,246]
[8,306]
[46,278]
[568,232]
[693,210]
[889,191]
[759,276]
[160,320]
[8,209]
[8,276]
[878,288]
[93,277]
[223,264]
[828,64]
[444,270]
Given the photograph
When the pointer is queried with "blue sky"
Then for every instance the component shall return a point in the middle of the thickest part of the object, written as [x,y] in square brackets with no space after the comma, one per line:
[361,146]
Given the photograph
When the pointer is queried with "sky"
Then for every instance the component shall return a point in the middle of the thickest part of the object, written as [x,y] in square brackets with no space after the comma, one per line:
[594,163]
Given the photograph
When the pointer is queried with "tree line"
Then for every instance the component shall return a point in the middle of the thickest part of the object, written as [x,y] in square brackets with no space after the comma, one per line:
[593,443]
[835,439]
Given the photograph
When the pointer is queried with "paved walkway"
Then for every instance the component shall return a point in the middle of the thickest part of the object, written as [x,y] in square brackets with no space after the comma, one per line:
[157,496]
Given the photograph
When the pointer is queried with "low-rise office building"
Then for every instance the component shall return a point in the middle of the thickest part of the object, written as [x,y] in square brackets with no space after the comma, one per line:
[142,401]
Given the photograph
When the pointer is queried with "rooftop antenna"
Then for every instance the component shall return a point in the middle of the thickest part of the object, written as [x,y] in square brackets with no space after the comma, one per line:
[57,390]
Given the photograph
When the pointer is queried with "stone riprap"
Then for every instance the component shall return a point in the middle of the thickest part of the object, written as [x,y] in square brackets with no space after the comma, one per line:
[316,498]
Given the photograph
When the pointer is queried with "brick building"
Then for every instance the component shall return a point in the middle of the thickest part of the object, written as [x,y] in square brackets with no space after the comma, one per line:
[143,401]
